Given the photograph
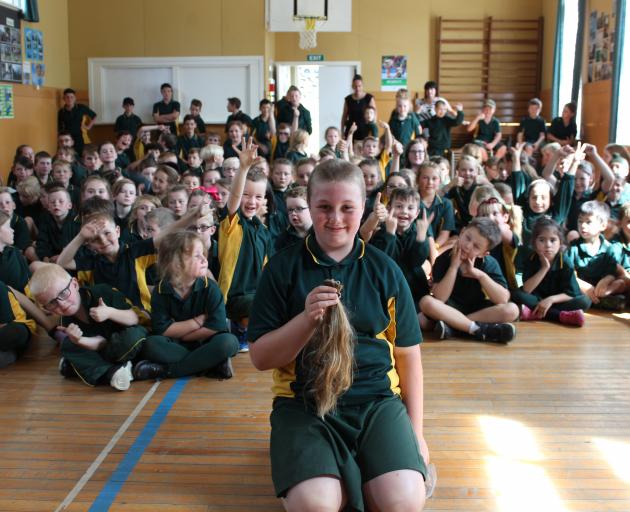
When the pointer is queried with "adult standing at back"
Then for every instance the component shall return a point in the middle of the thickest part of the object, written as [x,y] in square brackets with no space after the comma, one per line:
[425,106]
[354,109]
[166,112]
[72,118]
[292,112]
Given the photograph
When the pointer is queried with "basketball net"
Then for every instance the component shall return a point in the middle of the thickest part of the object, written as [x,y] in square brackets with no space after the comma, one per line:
[308,35]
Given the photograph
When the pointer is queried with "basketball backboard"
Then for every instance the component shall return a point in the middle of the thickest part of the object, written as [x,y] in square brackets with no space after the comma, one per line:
[281,15]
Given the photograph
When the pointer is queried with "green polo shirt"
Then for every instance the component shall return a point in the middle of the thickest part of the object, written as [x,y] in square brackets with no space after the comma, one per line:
[185,144]
[404,130]
[621,252]
[486,132]
[52,238]
[532,128]
[127,273]
[468,291]
[443,215]
[90,296]
[409,254]
[287,238]
[560,278]
[592,267]
[440,131]
[14,269]
[260,130]
[126,123]
[561,131]
[244,245]
[72,121]
[21,234]
[11,311]
[167,108]
[205,298]
[461,199]
[377,299]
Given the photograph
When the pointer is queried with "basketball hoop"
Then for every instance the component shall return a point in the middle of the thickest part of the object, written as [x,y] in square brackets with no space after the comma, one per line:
[308,34]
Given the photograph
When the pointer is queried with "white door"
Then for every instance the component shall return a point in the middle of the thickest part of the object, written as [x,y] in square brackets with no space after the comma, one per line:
[323,87]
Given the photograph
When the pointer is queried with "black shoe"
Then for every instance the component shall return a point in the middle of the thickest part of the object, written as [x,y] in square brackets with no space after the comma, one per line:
[66,369]
[499,333]
[7,358]
[442,330]
[611,303]
[146,370]
[222,371]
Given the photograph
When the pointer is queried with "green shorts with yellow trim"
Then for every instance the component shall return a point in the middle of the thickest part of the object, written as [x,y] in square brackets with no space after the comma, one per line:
[355,444]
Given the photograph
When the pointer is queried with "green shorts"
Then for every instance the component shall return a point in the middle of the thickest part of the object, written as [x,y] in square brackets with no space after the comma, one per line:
[469,309]
[355,444]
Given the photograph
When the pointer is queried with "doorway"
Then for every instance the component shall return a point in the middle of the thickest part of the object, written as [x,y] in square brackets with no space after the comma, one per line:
[323,86]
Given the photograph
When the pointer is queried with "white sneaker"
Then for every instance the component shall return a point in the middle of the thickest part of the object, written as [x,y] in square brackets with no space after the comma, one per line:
[121,380]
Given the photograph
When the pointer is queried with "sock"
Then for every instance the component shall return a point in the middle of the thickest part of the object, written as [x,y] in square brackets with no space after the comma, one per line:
[473,328]
[553,315]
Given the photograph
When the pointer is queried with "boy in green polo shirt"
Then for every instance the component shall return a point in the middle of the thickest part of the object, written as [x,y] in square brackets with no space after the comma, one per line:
[57,227]
[439,127]
[189,139]
[99,327]
[166,112]
[404,124]
[593,258]
[533,129]
[470,293]
[244,242]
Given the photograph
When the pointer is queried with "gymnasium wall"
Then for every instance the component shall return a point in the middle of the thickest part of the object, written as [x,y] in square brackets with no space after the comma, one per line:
[36,110]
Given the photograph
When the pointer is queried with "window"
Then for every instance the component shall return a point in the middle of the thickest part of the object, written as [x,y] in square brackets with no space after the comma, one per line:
[567,54]
[18,4]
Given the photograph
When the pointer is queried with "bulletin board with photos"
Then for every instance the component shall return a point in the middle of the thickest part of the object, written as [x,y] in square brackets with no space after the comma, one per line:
[601,44]
[10,46]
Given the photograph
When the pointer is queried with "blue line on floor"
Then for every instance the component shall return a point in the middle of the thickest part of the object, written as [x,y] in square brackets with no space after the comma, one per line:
[112,487]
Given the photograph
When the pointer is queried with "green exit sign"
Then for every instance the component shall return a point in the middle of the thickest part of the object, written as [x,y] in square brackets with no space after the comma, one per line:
[315,57]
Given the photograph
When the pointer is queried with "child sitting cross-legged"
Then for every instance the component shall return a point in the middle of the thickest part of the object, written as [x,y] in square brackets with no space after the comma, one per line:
[470,293]
[98,326]
[593,258]
[188,316]
[550,290]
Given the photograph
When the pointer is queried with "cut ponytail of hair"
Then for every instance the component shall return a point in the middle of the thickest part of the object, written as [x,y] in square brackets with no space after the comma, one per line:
[329,356]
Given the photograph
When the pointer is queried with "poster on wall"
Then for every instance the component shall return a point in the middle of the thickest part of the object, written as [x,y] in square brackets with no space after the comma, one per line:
[6,102]
[33,44]
[601,32]
[10,51]
[393,72]
[38,71]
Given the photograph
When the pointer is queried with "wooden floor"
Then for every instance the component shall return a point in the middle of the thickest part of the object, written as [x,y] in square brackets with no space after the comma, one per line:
[540,425]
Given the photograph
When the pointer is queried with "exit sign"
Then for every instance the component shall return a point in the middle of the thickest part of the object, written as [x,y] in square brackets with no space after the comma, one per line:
[315,57]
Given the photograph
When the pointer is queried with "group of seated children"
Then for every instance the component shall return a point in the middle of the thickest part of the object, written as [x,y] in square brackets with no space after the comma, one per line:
[134,265]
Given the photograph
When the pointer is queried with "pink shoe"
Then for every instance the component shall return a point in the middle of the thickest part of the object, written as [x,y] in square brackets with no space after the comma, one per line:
[572,317]
[526,314]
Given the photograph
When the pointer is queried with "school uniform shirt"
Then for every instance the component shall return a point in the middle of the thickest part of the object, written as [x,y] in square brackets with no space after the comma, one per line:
[561,131]
[260,131]
[295,156]
[409,254]
[52,237]
[201,125]
[404,130]
[128,123]
[205,298]
[72,121]
[127,273]
[278,149]
[35,211]
[621,251]
[486,132]
[21,234]
[228,150]
[466,290]
[277,223]
[592,267]
[244,246]
[167,108]
[11,311]
[185,144]
[90,296]
[532,128]
[14,269]
[505,254]
[79,173]
[285,115]
[461,199]
[443,215]
[440,131]
[279,200]
[287,238]
[122,161]
[560,278]
[576,205]
[376,297]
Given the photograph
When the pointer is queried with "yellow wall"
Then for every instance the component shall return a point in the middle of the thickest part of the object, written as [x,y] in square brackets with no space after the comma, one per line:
[403,27]
[162,28]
